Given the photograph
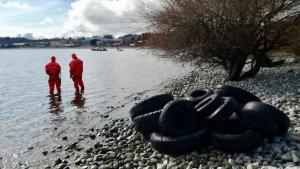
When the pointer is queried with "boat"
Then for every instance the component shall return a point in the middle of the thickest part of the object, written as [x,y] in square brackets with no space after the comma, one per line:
[99,49]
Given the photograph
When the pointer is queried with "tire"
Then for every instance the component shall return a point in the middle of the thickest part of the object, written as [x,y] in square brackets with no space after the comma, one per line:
[177,118]
[198,95]
[180,145]
[150,105]
[229,126]
[271,112]
[235,137]
[207,106]
[224,112]
[258,122]
[242,142]
[147,123]
[242,96]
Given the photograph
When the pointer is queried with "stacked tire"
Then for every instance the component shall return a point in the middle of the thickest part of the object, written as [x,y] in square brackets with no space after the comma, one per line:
[230,118]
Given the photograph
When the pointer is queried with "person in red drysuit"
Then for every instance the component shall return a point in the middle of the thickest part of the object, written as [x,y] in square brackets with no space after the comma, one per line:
[53,70]
[76,70]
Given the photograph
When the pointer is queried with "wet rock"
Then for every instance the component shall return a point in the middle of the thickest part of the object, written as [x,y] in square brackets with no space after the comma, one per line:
[113,130]
[268,167]
[153,161]
[116,165]
[98,145]
[277,149]
[78,161]
[253,166]
[286,157]
[231,161]
[250,166]
[94,167]
[92,136]
[47,167]
[295,158]
[89,150]
[58,161]
[29,148]
[161,166]
[97,157]
[72,146]
[62,165]
[45,153]
[130,155]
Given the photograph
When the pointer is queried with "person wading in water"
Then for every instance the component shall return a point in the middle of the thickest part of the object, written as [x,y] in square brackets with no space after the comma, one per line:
[76,70]
[53,70]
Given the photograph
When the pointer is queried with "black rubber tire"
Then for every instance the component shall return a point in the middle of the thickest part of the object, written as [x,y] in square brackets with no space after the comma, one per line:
[258,122]
[229,106]
[269,111]
[207,106]
[177,118]
[229,126]
[182,144]
[147,123]
[235,137]
[234,143]
[198,95]
[150,105]
[242,96]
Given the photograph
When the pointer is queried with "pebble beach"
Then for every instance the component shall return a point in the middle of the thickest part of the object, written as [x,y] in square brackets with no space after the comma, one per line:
[118,145]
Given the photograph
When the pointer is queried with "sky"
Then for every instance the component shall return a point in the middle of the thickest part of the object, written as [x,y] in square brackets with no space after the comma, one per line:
[71,18]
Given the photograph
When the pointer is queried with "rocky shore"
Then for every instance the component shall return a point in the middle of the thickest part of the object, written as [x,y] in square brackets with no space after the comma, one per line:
[118,145]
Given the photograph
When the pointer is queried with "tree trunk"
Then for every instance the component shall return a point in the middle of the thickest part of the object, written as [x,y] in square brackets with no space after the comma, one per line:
[236,66]
[255,69]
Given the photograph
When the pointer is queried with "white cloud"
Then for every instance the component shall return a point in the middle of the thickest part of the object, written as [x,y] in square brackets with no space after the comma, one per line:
[16,5]
[98,17]
[46,21]
[84,18]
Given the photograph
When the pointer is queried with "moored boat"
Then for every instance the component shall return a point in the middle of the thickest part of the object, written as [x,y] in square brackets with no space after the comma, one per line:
[99,49]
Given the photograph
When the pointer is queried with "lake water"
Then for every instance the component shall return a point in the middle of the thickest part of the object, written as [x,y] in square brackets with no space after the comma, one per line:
[29,117]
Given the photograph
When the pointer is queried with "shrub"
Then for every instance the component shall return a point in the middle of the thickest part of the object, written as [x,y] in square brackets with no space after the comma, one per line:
[224,32]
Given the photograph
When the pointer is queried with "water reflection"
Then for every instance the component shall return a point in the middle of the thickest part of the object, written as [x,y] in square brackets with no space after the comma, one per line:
[78,101]
[55,104]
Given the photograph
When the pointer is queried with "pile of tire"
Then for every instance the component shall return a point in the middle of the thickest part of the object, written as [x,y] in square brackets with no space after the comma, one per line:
[230,118]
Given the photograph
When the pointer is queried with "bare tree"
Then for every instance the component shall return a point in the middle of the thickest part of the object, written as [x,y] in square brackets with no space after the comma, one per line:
[224,32]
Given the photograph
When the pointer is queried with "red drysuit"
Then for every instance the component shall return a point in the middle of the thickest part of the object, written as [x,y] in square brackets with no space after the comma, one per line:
[76,69]
[53,70]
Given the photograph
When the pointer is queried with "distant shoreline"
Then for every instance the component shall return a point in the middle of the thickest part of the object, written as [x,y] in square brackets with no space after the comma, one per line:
[65,48]
[46,48]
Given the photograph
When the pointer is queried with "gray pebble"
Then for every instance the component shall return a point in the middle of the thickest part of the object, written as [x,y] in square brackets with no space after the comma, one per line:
[286,157]
[58,161]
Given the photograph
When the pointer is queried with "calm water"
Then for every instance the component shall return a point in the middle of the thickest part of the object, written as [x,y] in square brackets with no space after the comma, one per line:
[28,115]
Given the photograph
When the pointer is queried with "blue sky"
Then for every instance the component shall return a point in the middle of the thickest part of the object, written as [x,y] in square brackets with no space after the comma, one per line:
[56,18]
